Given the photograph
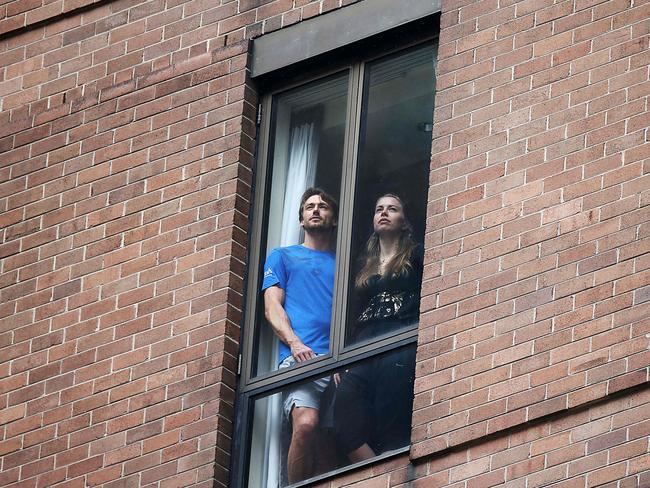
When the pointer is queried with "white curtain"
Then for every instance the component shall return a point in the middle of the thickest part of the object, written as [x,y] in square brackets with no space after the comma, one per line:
[303,151]
[300,175]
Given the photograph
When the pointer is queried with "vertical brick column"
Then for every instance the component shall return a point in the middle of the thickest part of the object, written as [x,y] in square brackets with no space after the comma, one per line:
[124,235]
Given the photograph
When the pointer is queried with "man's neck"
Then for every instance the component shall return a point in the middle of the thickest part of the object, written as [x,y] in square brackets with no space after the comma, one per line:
[318,241]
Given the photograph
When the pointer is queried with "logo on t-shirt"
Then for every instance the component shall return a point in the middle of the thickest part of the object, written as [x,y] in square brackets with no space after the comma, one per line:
[268,272]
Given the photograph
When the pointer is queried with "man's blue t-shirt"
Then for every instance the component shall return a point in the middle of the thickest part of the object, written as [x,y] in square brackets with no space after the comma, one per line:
[307,278]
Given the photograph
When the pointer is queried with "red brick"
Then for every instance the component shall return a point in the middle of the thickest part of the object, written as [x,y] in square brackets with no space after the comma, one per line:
[556,204]
[104,475]
[123,454]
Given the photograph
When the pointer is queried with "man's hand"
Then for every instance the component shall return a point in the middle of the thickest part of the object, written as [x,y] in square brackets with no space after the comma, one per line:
[301,353]
[277,316]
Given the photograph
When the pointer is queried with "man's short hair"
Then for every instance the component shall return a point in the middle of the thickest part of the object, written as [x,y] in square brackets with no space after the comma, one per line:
[326,197]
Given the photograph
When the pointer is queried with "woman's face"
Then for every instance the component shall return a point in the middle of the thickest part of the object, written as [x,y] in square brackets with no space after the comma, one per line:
[389,216]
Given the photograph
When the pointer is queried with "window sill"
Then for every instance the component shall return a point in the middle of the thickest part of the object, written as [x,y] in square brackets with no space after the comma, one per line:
[351,467]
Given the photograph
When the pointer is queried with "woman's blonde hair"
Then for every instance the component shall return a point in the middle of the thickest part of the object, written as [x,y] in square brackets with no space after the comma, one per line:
[400,264]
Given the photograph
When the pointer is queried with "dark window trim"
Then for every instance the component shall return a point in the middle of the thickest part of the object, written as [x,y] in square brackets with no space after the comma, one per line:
[246,407]
[420,30]
[305,374]
[342,27]
[351,467]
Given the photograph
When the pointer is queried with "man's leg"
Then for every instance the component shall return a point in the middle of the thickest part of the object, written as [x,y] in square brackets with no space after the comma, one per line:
[300,459]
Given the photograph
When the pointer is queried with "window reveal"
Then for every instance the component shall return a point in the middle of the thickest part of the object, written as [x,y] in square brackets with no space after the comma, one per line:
[361,135]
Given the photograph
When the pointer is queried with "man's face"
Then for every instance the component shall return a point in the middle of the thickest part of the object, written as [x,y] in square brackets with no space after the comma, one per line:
[317,215]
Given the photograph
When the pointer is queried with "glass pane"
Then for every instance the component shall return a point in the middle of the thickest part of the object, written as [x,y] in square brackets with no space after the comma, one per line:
[317,426]
[394,154]
[306,150]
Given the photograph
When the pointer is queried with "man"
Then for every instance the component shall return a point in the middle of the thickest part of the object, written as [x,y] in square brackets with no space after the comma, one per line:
[298,284]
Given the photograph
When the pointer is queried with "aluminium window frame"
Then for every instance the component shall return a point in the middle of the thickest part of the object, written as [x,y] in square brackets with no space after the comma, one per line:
[352,58]
[262,186]
[339,351]
[242,429]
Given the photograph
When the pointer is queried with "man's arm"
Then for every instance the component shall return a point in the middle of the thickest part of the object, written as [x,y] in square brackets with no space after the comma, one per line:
[277,317]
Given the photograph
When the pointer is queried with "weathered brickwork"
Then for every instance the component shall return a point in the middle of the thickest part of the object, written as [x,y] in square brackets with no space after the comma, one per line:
[127,139]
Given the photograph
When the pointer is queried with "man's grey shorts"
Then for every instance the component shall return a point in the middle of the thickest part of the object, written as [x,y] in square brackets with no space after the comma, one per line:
[303,395]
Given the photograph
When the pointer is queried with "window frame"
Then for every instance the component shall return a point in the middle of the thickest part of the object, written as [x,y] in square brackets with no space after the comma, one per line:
[261,188]
[352,58]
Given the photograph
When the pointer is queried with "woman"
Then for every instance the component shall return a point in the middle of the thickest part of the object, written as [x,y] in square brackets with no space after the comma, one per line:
[373,402]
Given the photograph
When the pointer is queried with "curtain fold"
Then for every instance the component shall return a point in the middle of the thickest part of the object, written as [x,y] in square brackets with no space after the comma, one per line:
[303,151]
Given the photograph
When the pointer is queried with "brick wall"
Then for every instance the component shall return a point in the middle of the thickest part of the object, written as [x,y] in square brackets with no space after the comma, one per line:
[536,296]
[605,445]
[123,266]
[17,14]
[126,150]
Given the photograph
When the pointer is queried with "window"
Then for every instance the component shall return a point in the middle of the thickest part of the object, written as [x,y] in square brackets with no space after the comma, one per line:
[359,132]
